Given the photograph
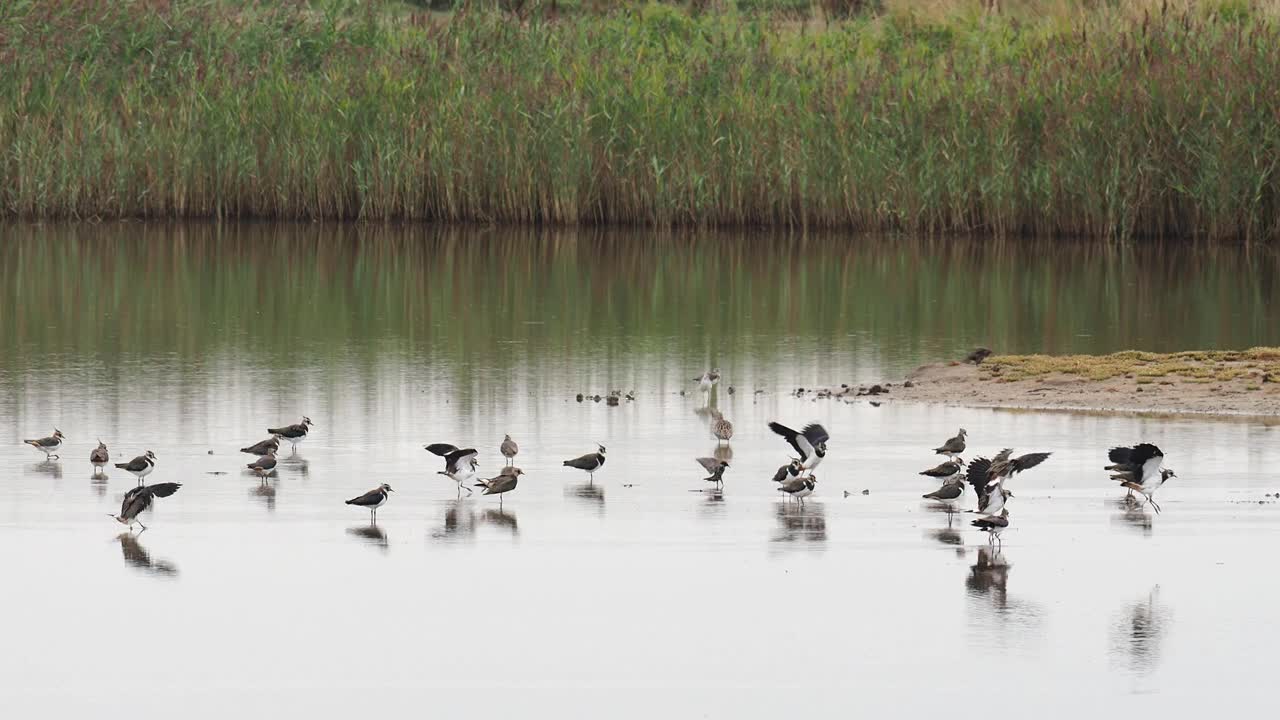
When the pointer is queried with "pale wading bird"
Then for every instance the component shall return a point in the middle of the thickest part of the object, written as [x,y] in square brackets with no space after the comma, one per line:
[99,457]
[810,443]
[509,449]
[722,429]
[799,487]
[954,446]
[373,500]
[708,380]
[48,445]
[945,470]
[139,499]
[715,467]
[140,466]
[264,466]
[295,433]
[994,525]
[258,449]
[504,483]
[589,462]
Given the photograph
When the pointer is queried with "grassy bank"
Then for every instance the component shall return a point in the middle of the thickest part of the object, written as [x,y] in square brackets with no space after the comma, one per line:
[1102,124]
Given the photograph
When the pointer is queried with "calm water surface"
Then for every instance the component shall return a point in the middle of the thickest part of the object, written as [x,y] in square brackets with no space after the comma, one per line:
[577,599]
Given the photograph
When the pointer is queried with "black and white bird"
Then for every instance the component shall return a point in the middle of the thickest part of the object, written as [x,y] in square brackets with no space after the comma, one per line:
[99,457]
[459,463]
[950,494]
[140,466]
[265,465]
[373,500]
[505,482]
[810,443]
[799,487]
[991,496]
[715,467]
[954,446]
[790,470]
[1140,468]
[509,449]
[708,379]
[1005,466]
[139,499]
[721,429]
[945,470]
[48,445]
[993,524]
[258,449]
[295,433]
[589,462]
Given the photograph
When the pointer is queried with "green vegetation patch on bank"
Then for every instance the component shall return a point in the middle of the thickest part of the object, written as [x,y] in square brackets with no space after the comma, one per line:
[1195,366]
[1111,124]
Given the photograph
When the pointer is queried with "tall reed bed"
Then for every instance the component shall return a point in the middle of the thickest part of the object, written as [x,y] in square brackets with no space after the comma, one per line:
[1162,125]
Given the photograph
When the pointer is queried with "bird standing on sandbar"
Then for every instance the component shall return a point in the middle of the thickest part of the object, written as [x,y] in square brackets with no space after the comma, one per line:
[373,500]
[140,466]
[1140,468]
[504,483]
[708,380]
[264,466]
[799,487]
[258,449]
[99,457]
[715,467]
[722,429]
[589,462]
[48,445]
[954,446]
[811,443]
[509,449]
[139,499]
[295,433]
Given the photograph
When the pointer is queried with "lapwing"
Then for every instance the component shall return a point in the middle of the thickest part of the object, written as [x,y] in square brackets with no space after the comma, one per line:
[945,470]
[708,380]
[954,446]
[99,457]
[48,445]
[505,482]
[270,445]
[457,461]
[589,462]
[810,443]
[295,433]
[720,428]
[799,487]
[1136,465]
[373,500]
[715,467]
[1004,466]
[139,499]
[140,466]
[994,525]
[787,471]
[991,497]
[509,449]
[950,494]
[265,465]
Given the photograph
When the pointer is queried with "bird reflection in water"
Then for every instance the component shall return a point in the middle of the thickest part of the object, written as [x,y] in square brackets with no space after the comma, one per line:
[266,492]
[1139,632]
[295,464]
[371,534]
[804,524]
[98,483]
[459,522]
[49,468]
[502,519]
[993,614]
[137,556]
[948,536]
[589,494]
[989,578]
[723,453]
[1132,514]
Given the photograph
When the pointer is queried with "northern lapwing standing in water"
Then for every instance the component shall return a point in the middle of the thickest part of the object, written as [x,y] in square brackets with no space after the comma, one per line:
[589,462]
[708,380]
[99,457]
[265,465]
[991,496]
[509,449]
[799,487]
[790,470]
[954,446]
[140,466]
[994,525]
[295,433]
[48,445]
[1140,468]
[258,449]
[811,443]
[459,463]
[715,467]
[373,500]
[949,495]
[722,429]
[945,470]
[505,482]
[139,499]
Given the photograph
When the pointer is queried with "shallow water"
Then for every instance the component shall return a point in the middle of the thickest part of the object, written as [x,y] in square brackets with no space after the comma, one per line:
[191,340]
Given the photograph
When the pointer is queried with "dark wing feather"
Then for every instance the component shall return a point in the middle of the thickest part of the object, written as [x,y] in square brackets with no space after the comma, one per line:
[1119,455]
[782,473]
[977,476]
[134,465]
[815,434]
[1028,461]
[585,462]
[373,497]
[500,484]
[454,461]
[794,485]
[441,449]
[291,431]
[950,491]
[790,436]
[163,489]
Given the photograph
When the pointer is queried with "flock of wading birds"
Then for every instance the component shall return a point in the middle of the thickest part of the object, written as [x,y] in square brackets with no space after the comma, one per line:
[1139,468]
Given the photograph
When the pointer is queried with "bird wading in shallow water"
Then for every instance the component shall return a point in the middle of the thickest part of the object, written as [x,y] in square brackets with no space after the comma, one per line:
[48,445]
[994,525]
[589,462]
[509,449]
[139,499]
[810,443]
[708,380]
[295,433]
[715,467]
[140,466]
[99,457]
[799,487]
[264,466]
[505,482]
[790,470]
[720,428]
[373,500]
[270,445]
[1140,469]
[953,446]
[947,469]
